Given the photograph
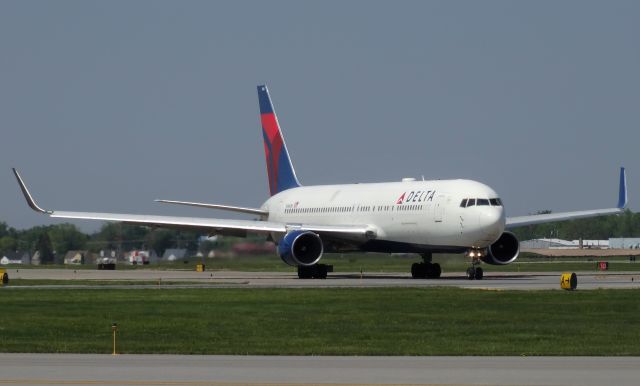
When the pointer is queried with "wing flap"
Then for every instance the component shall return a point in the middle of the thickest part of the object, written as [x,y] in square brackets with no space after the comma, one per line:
[238,209]
[210,225]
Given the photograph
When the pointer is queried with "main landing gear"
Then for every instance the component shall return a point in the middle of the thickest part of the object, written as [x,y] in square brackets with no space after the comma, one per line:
[427,269]
[316,271]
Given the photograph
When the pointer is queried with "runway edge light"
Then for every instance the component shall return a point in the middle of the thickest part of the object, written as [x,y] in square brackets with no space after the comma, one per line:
[568,281]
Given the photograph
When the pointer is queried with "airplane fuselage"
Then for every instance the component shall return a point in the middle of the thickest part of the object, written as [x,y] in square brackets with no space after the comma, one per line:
[407,216]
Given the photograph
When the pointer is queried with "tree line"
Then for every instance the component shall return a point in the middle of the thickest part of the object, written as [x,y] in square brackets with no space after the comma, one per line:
[56,240]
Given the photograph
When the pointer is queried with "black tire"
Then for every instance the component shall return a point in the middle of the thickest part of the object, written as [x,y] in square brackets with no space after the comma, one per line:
[479,273]
[429,271]
[436,271]
[5,278]
[471,273]
[304,272]
[320,271]
[423,270]
[415,270]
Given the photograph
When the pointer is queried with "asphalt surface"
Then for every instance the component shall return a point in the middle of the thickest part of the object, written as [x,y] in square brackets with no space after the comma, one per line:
[225,279]
[76,369]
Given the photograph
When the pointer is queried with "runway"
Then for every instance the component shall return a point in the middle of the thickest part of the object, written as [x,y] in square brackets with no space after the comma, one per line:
[74,369]
[229,279]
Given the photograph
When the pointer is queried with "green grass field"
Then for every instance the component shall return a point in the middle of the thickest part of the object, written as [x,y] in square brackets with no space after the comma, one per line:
[384,321]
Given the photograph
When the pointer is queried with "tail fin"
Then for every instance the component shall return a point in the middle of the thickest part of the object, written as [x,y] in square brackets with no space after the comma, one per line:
[279,166]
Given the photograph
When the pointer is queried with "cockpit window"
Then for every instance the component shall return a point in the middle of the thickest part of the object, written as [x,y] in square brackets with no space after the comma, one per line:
[467,202]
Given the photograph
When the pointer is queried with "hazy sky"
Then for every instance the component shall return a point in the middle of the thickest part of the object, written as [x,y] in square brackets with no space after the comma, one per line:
[105,106]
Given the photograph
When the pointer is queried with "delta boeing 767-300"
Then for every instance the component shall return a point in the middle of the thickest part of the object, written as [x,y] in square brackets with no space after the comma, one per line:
[410,216]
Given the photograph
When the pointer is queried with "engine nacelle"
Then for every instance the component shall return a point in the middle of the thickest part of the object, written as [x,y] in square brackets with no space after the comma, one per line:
[504,251]
[300,248]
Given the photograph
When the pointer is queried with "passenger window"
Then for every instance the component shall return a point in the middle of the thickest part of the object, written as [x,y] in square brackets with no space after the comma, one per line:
[483,201]
[463,203]
[471,202]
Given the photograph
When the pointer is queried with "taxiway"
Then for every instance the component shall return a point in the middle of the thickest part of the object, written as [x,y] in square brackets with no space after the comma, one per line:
[76,369]
[228,279]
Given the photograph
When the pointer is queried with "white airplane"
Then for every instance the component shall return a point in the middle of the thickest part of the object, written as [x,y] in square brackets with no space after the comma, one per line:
[424,217]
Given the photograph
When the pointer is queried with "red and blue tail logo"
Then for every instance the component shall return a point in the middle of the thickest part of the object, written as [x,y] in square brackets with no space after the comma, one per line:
[279,167]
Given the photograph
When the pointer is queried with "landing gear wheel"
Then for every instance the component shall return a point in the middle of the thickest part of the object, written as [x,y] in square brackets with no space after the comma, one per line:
[320,271]
[471,273]
[425,270]
[317,271]
[479,273]
[415,271]
[421,270]
[436,271]
[304,272]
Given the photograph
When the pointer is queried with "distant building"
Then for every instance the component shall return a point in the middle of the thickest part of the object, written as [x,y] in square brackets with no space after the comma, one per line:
[35,259]
[174,254]
[612,243]
[75,257]
[547,244]
[15,257]
[625,243]
[597,244]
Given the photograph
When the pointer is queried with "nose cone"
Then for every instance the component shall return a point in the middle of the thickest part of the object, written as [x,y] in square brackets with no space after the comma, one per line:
[492,220]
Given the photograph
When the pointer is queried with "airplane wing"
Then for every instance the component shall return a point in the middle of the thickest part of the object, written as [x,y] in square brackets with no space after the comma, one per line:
[513,222]
[206,225]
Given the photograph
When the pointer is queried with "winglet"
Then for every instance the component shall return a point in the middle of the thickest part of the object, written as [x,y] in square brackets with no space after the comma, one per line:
[27,195]
[622,194]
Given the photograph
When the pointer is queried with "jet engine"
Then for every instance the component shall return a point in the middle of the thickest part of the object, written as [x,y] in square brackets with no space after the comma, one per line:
[504,251]
[300,248]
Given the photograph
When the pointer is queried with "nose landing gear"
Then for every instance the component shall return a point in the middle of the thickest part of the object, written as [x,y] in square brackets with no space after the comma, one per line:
[426,269]
[475,271]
